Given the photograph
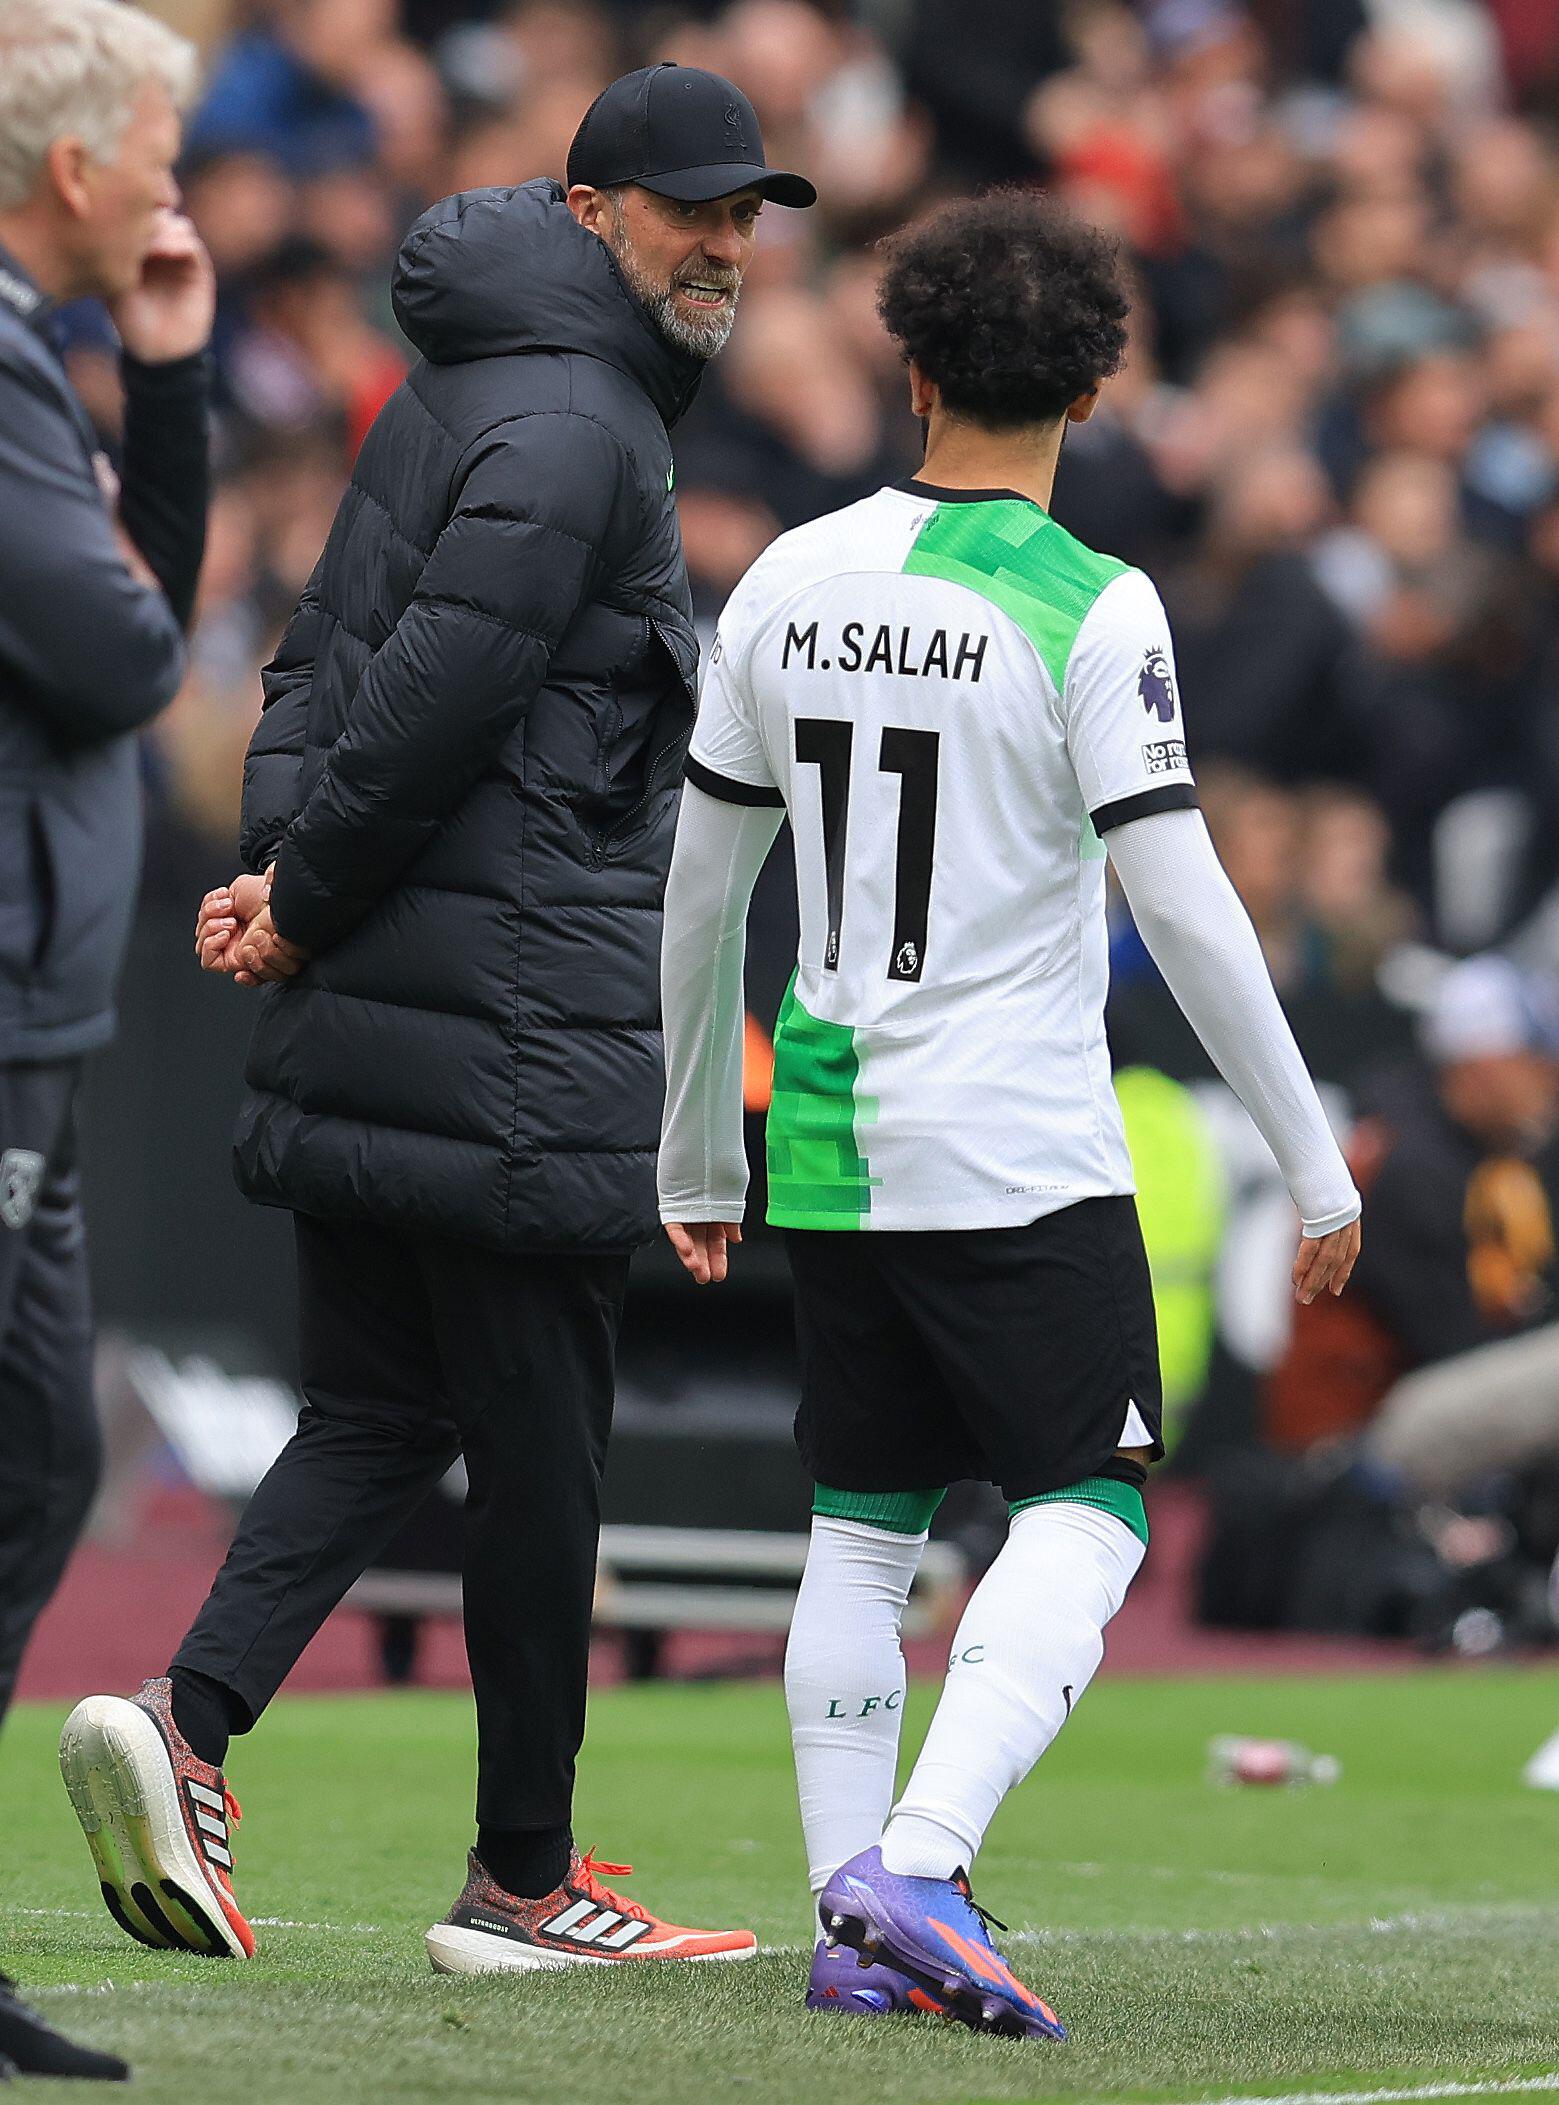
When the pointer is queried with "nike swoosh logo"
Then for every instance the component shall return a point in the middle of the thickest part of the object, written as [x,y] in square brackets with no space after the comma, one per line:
[1066,1698]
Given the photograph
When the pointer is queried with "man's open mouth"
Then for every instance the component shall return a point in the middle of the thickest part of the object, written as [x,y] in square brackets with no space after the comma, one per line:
[700,294]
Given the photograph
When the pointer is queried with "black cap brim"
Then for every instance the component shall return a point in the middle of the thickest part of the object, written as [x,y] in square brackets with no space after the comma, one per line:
[696,186]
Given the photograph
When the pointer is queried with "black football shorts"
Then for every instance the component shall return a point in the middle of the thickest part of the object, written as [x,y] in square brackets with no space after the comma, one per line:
[1011,1355]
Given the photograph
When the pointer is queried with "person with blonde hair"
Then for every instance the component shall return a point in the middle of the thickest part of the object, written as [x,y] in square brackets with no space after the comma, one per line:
[98,568]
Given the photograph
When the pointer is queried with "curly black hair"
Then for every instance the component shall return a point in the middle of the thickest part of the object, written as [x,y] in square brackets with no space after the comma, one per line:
[1009,303]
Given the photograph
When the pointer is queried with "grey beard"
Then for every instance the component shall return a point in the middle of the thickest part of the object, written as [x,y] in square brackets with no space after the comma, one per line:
[701,336]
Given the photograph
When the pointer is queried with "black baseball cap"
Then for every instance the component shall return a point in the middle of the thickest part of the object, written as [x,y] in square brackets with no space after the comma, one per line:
[681,132]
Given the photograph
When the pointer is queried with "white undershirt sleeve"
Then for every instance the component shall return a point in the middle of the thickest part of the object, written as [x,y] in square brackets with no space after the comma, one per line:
[1200,937]
[720,849]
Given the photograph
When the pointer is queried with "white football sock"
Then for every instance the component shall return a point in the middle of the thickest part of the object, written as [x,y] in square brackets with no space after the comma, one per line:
[844,1685]
[1029,1643]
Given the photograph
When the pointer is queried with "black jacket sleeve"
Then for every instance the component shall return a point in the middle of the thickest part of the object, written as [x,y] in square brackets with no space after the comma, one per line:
[538,504]
[273,765]
[167,472]
[93,652]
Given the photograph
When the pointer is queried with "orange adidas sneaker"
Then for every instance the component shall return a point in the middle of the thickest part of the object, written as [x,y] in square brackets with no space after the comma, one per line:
[158,1821]
[580,1923]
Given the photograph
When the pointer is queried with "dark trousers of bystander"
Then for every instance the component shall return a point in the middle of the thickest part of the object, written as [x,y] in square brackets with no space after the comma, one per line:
[413,1350]
[50,1448]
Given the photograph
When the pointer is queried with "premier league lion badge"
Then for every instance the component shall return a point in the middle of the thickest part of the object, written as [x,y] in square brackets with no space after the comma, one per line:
[1156,685]
[21,1172]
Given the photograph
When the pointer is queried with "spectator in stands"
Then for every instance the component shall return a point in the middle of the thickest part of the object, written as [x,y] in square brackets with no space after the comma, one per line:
[1255,827]
[806,449]
[977,88]
[1344,889]
[289,87]
[1260,646]
[309,353]
[1448,1363]
[1417,588]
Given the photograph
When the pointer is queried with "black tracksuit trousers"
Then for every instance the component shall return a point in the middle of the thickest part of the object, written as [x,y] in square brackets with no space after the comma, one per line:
[414,1350]
[50,1449]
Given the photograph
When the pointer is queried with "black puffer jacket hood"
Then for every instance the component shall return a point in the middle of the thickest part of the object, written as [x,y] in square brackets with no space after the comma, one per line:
[469,763]
[492,272]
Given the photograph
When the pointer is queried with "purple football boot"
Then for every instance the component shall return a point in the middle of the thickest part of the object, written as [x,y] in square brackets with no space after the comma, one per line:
[931,1930]
[839,1982]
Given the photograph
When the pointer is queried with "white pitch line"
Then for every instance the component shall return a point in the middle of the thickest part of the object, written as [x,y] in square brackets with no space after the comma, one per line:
[1463,1917]
[262,1922]
[1180,1874]
[1516,2087]
[1417,1919]
[1458,1916]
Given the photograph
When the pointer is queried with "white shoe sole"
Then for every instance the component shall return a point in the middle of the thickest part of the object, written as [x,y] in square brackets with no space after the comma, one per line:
[122,1785]
[452,1949]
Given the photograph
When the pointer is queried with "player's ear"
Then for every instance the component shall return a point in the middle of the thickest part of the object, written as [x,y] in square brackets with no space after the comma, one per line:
[1082,409]
[922,392]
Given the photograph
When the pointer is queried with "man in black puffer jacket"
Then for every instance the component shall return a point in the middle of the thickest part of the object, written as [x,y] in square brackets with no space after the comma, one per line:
[458,815]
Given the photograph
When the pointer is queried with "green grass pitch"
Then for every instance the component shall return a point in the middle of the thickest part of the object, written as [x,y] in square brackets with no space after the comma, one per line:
[1399,1932]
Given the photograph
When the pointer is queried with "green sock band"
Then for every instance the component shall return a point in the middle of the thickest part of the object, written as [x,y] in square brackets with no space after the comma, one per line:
[1106,1493]
[900,1512]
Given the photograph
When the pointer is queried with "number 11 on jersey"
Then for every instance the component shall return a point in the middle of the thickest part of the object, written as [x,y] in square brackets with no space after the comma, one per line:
[827,744]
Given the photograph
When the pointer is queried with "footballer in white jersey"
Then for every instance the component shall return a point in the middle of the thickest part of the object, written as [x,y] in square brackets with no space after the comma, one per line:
[955,701]
[961,710]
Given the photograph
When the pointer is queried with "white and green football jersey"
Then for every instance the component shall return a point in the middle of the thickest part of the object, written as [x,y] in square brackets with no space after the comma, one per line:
[953,699]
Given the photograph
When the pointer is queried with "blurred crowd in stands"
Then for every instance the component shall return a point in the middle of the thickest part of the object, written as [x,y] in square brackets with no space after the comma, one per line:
[1335,444]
